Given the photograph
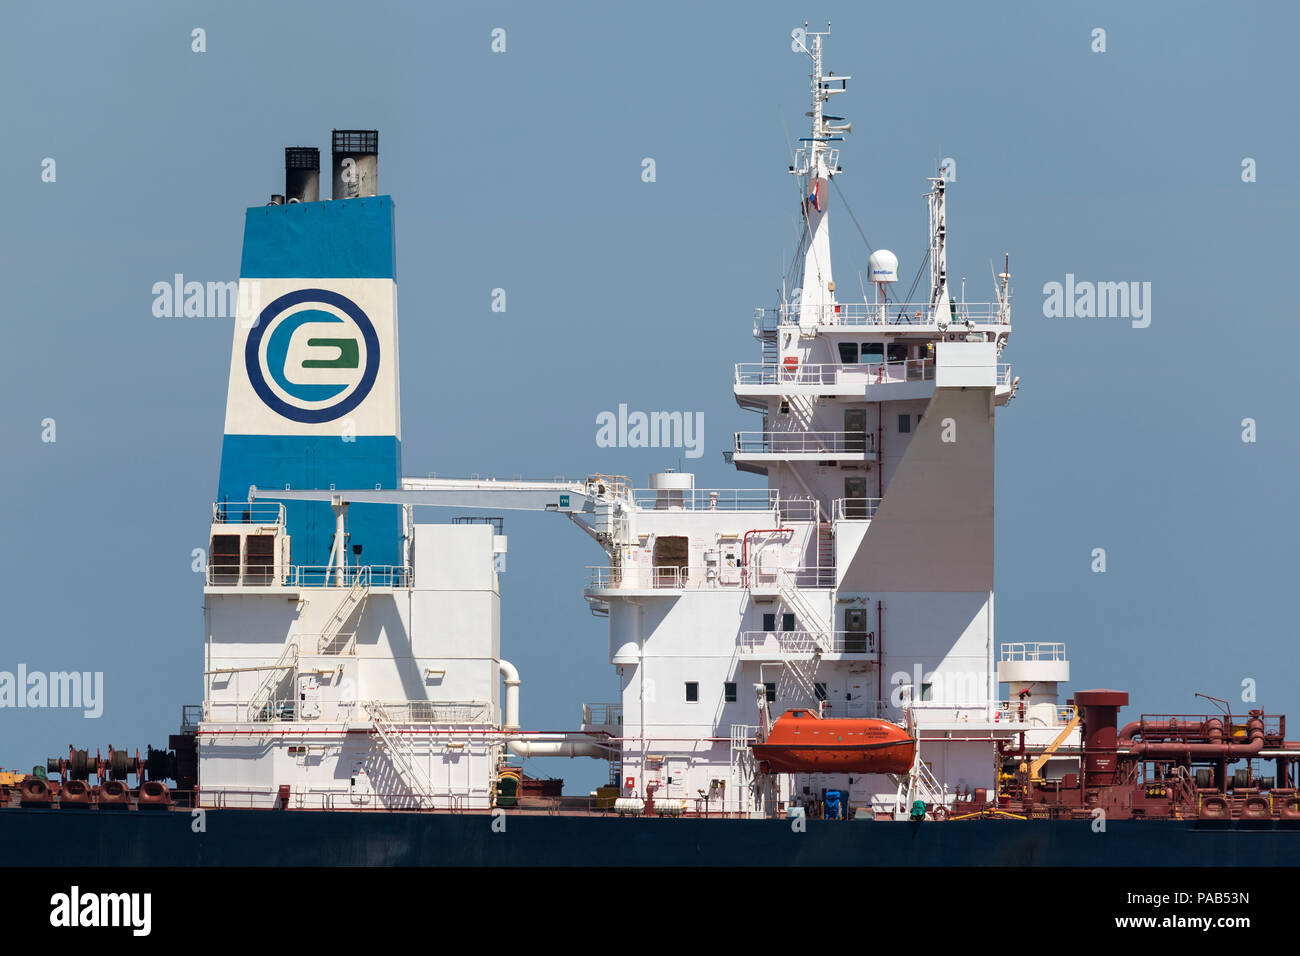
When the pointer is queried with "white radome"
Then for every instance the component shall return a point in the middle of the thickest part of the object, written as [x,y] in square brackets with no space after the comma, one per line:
[883,266]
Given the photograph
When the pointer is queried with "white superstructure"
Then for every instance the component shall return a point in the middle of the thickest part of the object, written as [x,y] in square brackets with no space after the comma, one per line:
[859,582]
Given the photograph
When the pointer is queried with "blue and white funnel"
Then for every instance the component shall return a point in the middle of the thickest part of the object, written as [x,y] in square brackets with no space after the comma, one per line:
[313,398]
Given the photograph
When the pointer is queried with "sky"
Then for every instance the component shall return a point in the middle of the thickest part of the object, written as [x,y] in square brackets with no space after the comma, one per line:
[522,170]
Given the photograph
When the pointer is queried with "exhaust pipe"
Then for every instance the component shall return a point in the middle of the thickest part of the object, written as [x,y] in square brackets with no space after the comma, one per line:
[302,174]
[356,163]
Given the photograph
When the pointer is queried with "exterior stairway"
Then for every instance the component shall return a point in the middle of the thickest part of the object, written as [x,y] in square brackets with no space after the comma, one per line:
[399,751]
[265,697]
[356,595]
[825,554]
[804,673]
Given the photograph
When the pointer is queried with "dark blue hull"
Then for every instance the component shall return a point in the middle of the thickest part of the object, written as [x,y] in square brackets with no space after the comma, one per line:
[307,838]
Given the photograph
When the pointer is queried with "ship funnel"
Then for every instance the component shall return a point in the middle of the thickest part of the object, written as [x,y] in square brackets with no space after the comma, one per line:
[302,174]
[356,163]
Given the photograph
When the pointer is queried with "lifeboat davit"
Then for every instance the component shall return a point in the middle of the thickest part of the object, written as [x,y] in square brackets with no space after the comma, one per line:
[802,742]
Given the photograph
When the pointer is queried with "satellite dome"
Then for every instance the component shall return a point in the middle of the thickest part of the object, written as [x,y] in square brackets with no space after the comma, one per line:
[883,266]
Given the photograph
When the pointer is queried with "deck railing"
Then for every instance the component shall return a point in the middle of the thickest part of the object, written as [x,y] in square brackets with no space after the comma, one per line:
[1034,651]
[806,642]
[707,499]
[804,443]
[856,509]
[306,576]
[244,512]
[892,313]
[867,373]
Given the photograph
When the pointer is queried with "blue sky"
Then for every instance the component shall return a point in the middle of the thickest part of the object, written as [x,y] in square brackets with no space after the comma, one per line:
[522,171]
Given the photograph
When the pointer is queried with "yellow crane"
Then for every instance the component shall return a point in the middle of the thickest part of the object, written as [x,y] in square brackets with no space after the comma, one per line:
[1035,768]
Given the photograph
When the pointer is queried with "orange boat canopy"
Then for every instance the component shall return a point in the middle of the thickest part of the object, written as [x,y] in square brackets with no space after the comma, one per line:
[803,742]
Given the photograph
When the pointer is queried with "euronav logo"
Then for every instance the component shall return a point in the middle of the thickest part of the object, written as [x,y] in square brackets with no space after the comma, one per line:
[312,356]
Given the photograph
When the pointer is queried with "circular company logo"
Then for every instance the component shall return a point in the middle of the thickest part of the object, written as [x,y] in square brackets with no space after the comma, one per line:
[322,374]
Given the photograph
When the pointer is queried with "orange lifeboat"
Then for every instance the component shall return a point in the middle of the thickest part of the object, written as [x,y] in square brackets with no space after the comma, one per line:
[802,742]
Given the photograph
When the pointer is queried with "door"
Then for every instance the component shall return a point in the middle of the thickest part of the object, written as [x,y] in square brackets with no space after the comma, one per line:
[855,428]
[855,631]
[855,497]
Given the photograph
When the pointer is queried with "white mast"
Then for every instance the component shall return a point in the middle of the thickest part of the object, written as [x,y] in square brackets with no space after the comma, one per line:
[815,163]
[940,309]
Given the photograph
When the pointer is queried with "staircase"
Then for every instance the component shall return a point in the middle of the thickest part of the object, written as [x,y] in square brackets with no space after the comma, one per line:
[921,784]
[804,673]
[264,697]
[825,554]
[806,615]
[397,747]
[333,630]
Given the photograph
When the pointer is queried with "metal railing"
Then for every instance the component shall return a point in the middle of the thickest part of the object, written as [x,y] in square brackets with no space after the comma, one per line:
[987,711]
[867,373]
[284,709]
[856,509]
[891,313]
[381,576]
[602,715]
[1033,651]
[707,499]
[806,642]
[669,577]
[306,576]
[676,578]
[244,512]
[810,443]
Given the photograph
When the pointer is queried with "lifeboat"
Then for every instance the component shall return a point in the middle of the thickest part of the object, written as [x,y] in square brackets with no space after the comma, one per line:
[802,742]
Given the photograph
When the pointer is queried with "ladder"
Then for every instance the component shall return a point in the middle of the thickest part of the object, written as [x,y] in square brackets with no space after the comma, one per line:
[354,598]
[397,747]
[825,554]
[920,784]
[263,697]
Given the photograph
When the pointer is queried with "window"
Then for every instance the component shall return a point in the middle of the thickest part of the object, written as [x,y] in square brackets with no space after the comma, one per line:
[771,692]
[820,690]
[872,352]
[729,692]
[785,407]
[787,621]
[692,692]
[769,622]
[849,353]
[898,351]
[918,420]
[904,424]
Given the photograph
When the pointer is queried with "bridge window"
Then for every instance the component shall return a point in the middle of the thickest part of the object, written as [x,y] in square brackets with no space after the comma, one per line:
[872,352]
[849,353]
